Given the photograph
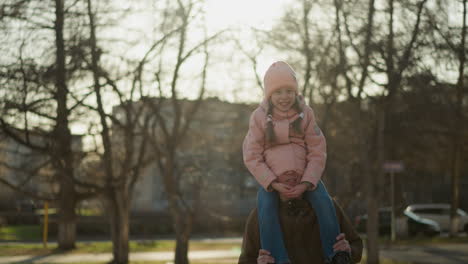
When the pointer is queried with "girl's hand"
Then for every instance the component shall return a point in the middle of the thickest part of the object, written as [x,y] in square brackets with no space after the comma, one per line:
[342,244]
[281,187]
[296,191]
[264,257]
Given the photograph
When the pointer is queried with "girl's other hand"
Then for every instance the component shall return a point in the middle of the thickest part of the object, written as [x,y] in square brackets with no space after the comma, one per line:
[264,257]
[342,244]
[281,187]
[296,191]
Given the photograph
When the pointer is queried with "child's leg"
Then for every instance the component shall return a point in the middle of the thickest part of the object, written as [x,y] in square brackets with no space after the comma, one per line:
[271,236]
[326,216]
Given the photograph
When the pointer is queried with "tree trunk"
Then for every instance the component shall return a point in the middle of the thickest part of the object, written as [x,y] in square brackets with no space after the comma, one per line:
[372,245]
[180,212]
[373,185]
[181,252]
[66,232]
[67,217]
[62,150]
[454,218]
[119,206]
[183,230]
[459,128]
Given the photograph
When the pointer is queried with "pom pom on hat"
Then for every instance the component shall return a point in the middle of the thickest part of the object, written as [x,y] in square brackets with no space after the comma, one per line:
[279,75]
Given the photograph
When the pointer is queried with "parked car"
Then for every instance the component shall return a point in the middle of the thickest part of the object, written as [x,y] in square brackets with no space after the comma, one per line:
[416,225]
[25,205]
[441,214]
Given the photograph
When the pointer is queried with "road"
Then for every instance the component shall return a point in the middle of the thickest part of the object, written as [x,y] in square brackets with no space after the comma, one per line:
[428,254]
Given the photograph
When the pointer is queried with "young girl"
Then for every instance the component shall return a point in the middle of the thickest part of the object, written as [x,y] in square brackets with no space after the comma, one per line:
[284,139]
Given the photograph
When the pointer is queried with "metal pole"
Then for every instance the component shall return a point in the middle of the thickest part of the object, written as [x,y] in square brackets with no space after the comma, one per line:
[392,194]
[46,224]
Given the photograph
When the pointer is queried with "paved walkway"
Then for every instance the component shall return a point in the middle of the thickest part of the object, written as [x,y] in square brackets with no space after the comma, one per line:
[104,257]
[430,254]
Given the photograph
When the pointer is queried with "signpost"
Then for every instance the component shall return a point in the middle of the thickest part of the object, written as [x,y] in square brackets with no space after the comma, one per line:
[46,224]
[393,167]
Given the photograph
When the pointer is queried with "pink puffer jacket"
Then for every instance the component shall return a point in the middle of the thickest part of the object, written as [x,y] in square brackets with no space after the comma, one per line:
[305,154]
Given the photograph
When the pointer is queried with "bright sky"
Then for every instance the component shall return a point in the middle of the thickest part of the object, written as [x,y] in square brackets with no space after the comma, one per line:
[230,75]
[257,13]
[236,77]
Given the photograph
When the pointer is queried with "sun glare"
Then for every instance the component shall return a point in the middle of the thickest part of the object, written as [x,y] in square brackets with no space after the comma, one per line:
[242,13]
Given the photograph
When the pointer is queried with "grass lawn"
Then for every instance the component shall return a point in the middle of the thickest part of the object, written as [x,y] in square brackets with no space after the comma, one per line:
[18,233]
[106,247]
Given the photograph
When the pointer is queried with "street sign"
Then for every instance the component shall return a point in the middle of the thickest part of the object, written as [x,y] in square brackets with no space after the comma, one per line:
[393,166]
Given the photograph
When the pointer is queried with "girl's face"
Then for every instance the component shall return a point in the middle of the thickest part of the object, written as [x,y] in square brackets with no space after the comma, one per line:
[283,98]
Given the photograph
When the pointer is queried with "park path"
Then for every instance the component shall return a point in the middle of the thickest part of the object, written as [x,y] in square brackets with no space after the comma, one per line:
[104,257]
[427,254]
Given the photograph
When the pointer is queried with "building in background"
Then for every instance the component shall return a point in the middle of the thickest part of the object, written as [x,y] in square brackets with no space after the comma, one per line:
[28,168]
[212,152]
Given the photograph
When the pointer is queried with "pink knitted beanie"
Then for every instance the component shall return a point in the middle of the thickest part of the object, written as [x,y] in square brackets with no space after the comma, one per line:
[278,75]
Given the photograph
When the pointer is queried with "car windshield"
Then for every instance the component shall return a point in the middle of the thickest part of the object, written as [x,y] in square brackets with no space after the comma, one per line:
[462,213]
[435,209]
[412,215]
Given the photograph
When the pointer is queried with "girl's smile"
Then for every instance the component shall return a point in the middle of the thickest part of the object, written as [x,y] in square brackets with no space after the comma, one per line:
[283,98]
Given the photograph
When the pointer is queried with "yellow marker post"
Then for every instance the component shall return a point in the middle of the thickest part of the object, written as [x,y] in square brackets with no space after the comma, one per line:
[46,224]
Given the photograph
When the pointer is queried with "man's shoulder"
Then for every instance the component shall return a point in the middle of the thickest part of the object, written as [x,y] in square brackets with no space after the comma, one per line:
[337,206]
[340,214]
[253,215]
[251,225]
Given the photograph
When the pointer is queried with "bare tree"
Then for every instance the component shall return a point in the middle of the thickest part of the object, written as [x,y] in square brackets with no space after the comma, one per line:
[446,39]
[398,54]
[123,153]
[41,102]
[252,56]
[172,118]
[459,127]
[355,88]
[126,132]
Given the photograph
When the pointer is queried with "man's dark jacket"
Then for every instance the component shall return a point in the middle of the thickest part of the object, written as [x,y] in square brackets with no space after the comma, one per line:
[301,234]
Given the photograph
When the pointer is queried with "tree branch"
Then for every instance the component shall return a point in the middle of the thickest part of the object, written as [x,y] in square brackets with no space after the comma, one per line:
[27,193]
